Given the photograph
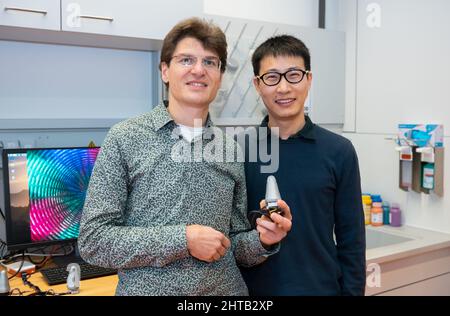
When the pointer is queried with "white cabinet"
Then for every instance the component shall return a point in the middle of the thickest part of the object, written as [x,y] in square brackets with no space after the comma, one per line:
[40,14]
[121,24]
[438,286]
[426,271]
[150,19]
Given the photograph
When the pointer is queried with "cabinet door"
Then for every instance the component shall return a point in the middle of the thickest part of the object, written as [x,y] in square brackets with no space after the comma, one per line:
[131,18]
[438,286]
[40,14]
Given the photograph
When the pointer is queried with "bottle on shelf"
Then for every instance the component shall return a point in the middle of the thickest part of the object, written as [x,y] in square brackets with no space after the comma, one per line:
[386,213]
[367,206]
[376,218]
[395,215]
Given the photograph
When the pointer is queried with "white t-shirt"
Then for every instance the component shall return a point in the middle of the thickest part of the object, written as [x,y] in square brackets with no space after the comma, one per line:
[189,133]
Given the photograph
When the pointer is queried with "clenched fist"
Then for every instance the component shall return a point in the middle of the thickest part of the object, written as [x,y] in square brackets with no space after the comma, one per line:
[206,243]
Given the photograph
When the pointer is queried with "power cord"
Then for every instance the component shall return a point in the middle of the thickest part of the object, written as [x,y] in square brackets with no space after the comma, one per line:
[37,290]
[17,292]
[20,267]
[12,256]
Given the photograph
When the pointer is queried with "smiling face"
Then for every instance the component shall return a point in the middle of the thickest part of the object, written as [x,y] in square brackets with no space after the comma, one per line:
[195,85]
[284,101]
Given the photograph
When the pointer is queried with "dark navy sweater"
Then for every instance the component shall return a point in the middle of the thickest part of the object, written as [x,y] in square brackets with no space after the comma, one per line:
[318,177]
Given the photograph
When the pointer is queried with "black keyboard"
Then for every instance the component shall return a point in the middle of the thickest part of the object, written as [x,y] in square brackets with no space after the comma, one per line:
[59,275]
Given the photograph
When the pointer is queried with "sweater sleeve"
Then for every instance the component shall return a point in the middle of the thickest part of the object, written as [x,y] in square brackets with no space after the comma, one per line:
[349,225]
[246,244]
[104,240]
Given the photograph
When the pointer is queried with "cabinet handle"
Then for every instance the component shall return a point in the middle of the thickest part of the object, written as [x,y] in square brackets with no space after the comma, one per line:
[25,10]
[94,17]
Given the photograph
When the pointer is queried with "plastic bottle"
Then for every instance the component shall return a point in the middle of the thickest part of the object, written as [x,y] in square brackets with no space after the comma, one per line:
[367,206]
[376,198]
[386,213]
[428,176]
[376,218]
[396,215]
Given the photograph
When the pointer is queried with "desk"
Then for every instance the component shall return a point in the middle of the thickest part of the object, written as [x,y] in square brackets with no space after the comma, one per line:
[103,286]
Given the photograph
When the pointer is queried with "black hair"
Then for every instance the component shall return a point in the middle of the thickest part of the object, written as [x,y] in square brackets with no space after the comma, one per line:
[281,45]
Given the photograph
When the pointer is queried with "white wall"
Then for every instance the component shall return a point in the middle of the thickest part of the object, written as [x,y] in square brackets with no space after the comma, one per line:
[295,12]
[384,89]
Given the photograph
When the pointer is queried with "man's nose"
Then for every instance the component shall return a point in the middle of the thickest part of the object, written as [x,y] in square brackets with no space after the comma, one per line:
[198,68]
[284,86]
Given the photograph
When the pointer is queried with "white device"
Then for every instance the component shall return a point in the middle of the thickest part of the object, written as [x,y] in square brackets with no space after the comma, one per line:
[26,266]
[73,279]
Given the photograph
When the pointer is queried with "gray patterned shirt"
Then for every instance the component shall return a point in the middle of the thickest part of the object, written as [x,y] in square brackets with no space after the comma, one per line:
[140,201]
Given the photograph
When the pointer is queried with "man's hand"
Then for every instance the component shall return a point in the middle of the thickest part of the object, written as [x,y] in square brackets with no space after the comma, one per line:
[272,230]
[206,243]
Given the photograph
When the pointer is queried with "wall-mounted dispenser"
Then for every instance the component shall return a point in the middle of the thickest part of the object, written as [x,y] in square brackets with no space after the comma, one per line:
[421,158]
[406,167]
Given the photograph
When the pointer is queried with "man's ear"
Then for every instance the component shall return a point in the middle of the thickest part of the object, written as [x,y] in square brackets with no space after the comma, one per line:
[164,72]
[256,84]
[309,78]
[220,78]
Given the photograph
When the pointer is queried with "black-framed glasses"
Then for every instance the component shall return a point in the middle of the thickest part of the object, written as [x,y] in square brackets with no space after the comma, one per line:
[272,78]
[209,63]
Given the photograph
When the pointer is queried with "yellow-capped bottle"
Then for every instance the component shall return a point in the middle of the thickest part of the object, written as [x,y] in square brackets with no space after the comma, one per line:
[367,207]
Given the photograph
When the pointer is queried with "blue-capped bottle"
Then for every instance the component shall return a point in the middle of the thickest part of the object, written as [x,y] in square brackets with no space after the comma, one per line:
[386,213]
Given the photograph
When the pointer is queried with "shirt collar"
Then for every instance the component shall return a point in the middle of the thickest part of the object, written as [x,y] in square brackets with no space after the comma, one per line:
[306,132]
[161,117]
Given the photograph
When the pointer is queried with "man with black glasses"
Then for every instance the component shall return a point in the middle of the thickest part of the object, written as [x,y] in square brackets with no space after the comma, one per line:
[318,177]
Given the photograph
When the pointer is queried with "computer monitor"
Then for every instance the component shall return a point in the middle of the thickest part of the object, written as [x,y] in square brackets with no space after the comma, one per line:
[45,190]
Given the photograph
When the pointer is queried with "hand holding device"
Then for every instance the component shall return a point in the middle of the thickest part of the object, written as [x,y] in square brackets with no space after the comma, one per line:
[271,202]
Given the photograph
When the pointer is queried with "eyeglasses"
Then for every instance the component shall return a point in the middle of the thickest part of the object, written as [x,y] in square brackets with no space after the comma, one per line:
[273,78]
[209,63]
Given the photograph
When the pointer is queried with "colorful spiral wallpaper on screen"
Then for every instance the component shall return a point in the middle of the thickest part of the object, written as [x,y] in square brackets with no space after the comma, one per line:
[58,180]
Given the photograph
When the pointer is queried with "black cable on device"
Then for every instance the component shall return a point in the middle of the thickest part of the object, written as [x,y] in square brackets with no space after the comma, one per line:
[20,267]
[254,215]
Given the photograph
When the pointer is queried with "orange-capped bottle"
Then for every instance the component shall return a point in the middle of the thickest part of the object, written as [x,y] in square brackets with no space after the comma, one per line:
[376,214]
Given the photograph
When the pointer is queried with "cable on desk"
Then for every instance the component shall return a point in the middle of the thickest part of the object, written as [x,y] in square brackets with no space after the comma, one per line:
[19,292]
[12,256]
[37,290]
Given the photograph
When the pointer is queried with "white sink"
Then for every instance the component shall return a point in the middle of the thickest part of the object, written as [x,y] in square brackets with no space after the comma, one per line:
[377,239]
